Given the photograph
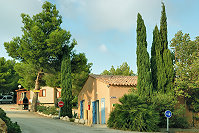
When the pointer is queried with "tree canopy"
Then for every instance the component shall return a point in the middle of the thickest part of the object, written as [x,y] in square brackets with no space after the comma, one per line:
[42,43]
[144,83]
[123,69]
[167,83]
[66,84]
[186,62]
[8,76]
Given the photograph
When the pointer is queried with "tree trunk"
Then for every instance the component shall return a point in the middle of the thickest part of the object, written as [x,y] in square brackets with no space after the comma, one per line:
[35,94]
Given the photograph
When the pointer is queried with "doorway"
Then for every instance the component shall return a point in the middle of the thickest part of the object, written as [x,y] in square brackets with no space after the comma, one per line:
[103,111]
[95,111]
[82,109]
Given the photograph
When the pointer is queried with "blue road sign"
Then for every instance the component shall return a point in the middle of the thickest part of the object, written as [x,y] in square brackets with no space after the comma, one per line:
[168,113]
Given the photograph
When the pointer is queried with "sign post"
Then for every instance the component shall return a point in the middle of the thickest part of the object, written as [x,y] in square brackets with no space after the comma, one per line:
[168,115]
[60,104]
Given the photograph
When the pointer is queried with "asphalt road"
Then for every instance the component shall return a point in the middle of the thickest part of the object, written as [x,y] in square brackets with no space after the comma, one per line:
[34,123]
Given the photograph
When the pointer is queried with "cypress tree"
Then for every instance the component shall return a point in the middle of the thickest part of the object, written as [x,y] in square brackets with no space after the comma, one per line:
[153,57]
[66,84]
[157,67]
[167,84]
[144,84]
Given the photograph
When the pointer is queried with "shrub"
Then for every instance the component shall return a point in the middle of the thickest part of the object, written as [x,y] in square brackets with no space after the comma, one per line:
[134,114]
[72,119]
[11,127]
[161,103]
[74,115]
[47,110]
[178,120]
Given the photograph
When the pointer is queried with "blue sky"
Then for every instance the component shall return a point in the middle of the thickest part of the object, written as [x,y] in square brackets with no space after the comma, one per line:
[104,29]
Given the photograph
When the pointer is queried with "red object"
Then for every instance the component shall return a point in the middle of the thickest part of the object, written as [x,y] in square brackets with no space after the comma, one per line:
[88,107]
[60,104]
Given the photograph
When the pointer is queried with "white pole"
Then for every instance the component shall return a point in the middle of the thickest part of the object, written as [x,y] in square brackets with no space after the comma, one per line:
[59,112]
[167,124]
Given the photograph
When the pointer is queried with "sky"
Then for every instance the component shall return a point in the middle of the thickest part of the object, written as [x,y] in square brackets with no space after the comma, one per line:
[105,30]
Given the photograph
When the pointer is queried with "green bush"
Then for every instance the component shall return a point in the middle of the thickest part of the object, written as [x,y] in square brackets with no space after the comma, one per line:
[47,110]
[161,103]
[11,127]
[134,114]
[178,119]
[72,119]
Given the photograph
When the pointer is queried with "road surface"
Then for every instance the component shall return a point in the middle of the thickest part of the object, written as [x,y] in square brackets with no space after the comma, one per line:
[34,123]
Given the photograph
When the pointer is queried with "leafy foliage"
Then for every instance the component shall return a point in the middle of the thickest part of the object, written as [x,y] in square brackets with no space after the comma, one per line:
[187,69]
[27,75]
[80,70]
[144,83]
[11,127]
[42,43]
[193,101]
[66,84]
[42,40]
[161,58]
[157,66]
[187,66]
[167,82]
[123,69]
[47,110]
[162,102]
[8,76]
[178,119]
[134,114]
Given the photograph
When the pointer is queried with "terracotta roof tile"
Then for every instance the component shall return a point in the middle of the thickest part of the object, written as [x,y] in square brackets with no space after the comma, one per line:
[117,79]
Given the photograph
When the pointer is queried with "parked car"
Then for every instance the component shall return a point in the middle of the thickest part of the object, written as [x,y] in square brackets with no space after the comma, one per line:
[6,99]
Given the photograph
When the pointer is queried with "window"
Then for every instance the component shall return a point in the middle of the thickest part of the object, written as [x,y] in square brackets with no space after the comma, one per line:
[9,97]
[58,94]
[43,92]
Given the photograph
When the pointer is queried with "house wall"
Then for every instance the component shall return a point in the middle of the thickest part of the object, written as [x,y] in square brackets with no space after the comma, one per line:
[102,91]
[48,99]
[96,90]
[116,92]
[87,94]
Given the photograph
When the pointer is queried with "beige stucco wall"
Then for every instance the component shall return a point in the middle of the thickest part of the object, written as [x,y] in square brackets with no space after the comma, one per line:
[48,99]
[96,90]
[87,93]
[116,92]
[103,92]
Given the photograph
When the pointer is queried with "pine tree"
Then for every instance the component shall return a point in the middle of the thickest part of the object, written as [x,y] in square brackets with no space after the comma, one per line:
[144,83]
[166,55]
[66,84]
